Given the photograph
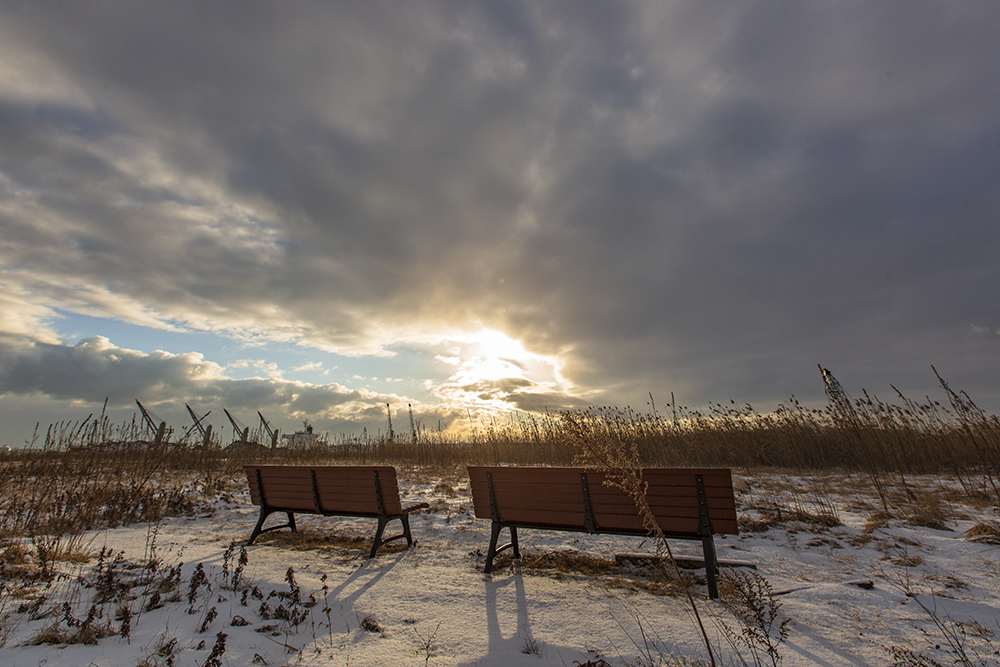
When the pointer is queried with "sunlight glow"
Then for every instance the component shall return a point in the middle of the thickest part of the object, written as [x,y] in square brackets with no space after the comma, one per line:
[494,374]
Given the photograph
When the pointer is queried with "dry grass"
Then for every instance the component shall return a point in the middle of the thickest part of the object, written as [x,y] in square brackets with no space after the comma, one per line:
[987,532]
[82,479]
[877,520]
[88,634]
[562,562]
[332,540]
[761,518]
[928,510]
[91,475]
[761,627]
[889,443]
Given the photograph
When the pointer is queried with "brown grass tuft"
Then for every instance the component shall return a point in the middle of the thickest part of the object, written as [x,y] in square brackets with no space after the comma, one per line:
[756,524]
[987,532]
[312,539]
[566,561]
[877,520]
[927,510]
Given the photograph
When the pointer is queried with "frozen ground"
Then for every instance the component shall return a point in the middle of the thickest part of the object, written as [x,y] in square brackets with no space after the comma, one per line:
[432,605]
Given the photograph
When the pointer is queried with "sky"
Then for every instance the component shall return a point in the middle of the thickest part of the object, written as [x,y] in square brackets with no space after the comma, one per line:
[485,209]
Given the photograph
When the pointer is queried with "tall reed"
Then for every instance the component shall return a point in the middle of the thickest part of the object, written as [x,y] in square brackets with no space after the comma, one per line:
[89,474]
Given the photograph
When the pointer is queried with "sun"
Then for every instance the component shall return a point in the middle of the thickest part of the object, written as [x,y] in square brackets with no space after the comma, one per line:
[498,345]
[493,373]
[493,356]
[489,356]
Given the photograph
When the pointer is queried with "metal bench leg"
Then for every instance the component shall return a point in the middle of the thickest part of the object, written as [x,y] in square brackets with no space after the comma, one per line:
[259,528]
[264,512]
[494,550]
[405,520]
[711,567]
[383,521]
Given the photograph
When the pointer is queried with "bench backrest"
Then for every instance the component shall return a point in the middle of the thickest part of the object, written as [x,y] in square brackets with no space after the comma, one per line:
[337,489]
[554,498]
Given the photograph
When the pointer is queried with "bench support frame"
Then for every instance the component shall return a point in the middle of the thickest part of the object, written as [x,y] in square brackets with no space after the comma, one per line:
[707,541]
[265,511]
[384,518]
[705,532]
[497,525]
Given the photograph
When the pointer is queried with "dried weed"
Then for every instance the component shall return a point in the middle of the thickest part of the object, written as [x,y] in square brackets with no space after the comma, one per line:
[986,532]
[927,510]
[877,520]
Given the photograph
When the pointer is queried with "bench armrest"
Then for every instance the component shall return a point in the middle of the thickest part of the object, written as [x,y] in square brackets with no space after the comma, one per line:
[413,508]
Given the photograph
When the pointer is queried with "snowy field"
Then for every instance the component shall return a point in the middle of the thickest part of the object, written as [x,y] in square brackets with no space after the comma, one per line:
[849,587]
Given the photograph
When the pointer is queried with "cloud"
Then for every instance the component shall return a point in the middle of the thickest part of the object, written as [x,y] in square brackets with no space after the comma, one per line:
[311,366]
[95,369]
[22,319]
[661,197]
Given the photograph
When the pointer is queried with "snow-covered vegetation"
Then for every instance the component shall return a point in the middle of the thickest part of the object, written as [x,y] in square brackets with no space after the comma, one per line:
[871,529]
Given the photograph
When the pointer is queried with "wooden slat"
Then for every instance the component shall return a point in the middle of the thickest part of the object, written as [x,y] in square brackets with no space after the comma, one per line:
[537,494]
[634,511]
[515,505]
[350,507]
[680,513]
[361,479]
[544,516]
[357,503]
[662,476]
[713,504]
[726,526]
[554,490]
[597,492]
[339,493]
[331,472]
[291,504]
[528,499]
[667,525]
[343,489]
[540,475]
[512,511]
[545,496]
[658,492]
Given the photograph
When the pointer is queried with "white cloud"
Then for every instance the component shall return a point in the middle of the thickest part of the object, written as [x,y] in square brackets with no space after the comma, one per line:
[310,366]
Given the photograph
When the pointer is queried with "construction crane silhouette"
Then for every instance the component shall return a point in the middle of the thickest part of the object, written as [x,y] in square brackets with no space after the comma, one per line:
[148,421]
[841,401]
[388,411]
[205,432]
[413,424]
[272,433]
[242,432]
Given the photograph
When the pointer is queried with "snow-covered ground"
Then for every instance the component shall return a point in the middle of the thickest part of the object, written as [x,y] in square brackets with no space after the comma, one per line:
[315,599]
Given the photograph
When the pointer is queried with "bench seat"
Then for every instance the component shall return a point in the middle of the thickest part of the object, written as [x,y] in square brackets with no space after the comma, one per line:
[359,491]
[688,503]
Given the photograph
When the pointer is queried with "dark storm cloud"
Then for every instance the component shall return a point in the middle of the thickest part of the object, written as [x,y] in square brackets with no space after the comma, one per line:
[675,196]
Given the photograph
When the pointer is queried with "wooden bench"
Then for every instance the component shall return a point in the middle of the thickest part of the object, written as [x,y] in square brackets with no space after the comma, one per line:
[362,491]
[688,503]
